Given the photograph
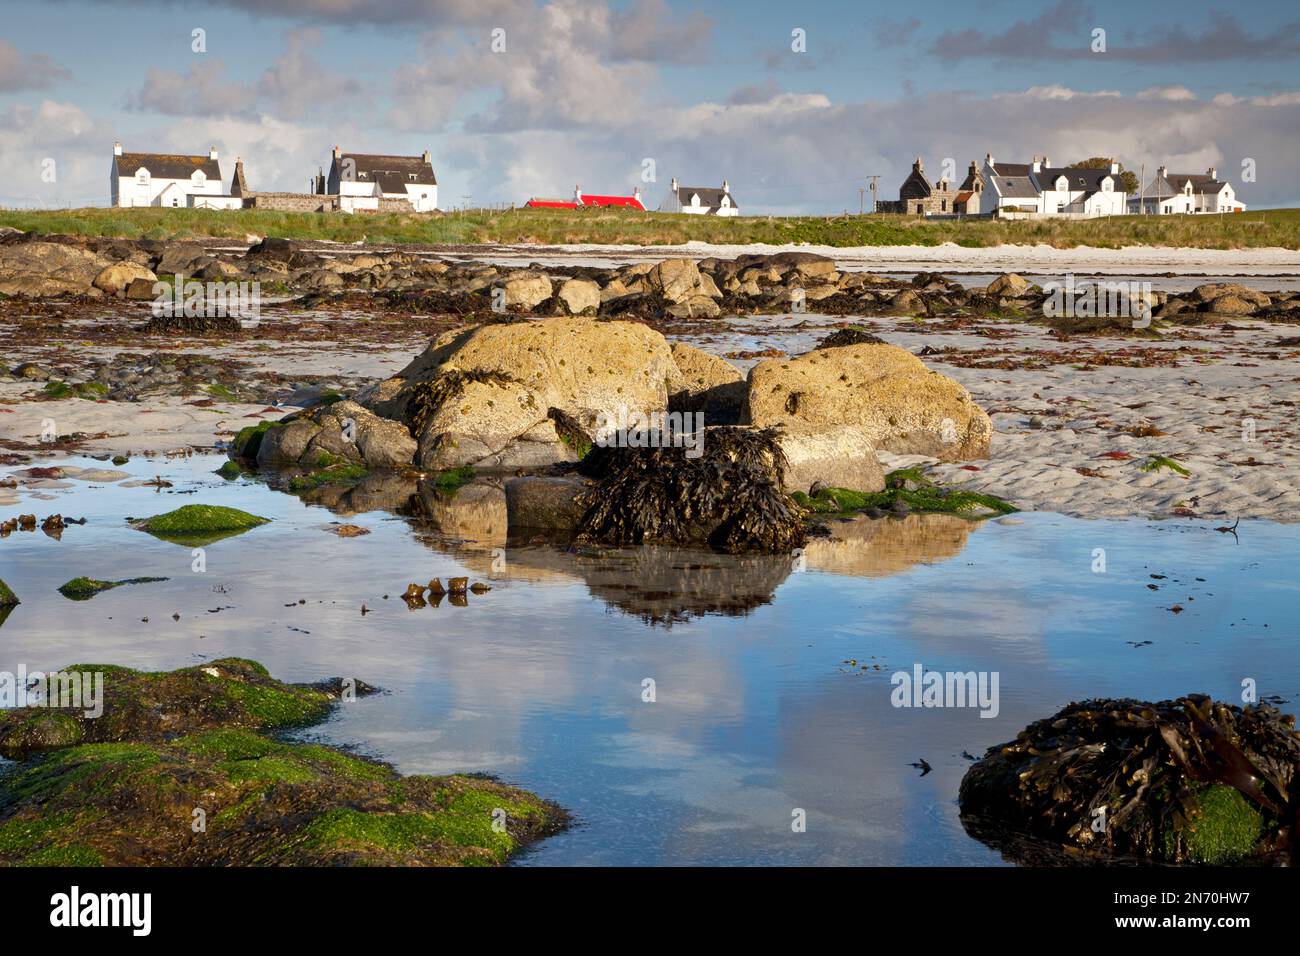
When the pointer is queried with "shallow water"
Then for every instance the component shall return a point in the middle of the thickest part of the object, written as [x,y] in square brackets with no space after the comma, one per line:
[756,713]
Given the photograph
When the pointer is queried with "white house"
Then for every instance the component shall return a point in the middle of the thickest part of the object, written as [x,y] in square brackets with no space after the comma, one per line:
[361,180]
[1040,188]
[1009,186]
[1171,194]
[700,200]
[1079,192]
[168,179]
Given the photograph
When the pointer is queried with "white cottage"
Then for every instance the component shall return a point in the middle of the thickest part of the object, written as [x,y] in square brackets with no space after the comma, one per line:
[700,200]
[361,180]
[1171,194]
[168,179]
[1080,192]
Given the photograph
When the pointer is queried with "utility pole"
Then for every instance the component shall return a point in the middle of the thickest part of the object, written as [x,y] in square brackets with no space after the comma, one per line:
[872,187]
[862,191]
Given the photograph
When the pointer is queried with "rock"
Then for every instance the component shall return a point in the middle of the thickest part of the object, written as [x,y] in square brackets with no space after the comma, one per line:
[706,384]
[48,268]
[7,596]
[273,249]
[184,259]
[115,279]
[1211,292]
[1232,305]
[526,291]
[339,432]
[908,302]
[544,503]
[842,457]
[904,407]
[491,395]
[579,297]
[141,289]
[680,282]
[1009,285]
[199,521]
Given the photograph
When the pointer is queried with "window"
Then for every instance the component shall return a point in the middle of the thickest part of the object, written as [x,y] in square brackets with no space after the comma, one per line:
[412,176]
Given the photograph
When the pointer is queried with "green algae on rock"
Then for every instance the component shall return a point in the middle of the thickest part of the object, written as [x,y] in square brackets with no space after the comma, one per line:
[196,525]
[1183,781]
[175,773]
[907,490]
[83,589]
[146,706]
[248,440]
[7,596]
[340,473]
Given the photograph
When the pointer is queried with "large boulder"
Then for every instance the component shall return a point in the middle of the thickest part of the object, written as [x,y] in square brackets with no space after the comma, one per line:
[706,384]
[114,279]
[48,268]
[1230,298]
[1009,285]
[520,394]
[902,406]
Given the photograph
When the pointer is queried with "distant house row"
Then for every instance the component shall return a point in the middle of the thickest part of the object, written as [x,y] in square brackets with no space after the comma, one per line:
[1038,188]
[355,182]
[692,200]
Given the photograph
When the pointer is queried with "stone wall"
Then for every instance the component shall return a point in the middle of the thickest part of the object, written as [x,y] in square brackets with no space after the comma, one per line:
[291,202]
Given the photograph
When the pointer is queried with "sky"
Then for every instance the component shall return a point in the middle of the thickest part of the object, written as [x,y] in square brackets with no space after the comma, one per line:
[796,105]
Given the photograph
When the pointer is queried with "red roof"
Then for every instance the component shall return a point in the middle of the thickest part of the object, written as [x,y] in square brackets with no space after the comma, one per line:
[628,202]
[631,202]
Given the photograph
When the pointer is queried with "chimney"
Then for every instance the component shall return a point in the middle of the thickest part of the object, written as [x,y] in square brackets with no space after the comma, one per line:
[338,153]
[918,166]
[636,193]
[1214,173]
[673,187]
[212,152]
[1037,165]
[1162,172]
[577,194]
[988,159]
[1047,163]
[117,149]
[425,157]
[726,187]
[1114,169]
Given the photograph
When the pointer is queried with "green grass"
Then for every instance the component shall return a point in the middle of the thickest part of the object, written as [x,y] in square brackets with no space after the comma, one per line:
[1274,227]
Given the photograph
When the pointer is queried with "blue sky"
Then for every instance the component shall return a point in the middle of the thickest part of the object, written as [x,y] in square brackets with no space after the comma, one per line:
[585,92]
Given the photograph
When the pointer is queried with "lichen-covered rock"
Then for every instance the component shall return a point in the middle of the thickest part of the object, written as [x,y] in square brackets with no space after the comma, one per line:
[903,406]
[526,291]
[491,395]
[48,268]
[1187,780]
[197,525]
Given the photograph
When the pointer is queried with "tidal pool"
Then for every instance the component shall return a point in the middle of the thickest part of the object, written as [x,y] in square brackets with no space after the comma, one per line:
[757,711]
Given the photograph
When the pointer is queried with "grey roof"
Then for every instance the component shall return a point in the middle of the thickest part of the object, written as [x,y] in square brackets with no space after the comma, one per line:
[1016,187]
[1172,185]
[167,165]
[1079,179]
[1012,169]
[393,173]
[710,197]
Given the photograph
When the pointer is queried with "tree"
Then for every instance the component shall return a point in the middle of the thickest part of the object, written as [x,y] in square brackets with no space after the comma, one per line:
[1128,181]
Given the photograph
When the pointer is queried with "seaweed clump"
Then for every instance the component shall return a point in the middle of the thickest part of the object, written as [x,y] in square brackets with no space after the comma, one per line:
[907,491]
[729,497]
[1182,781]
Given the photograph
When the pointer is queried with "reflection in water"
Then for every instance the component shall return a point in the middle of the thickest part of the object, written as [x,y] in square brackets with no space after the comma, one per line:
[661,585]
[758,710]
